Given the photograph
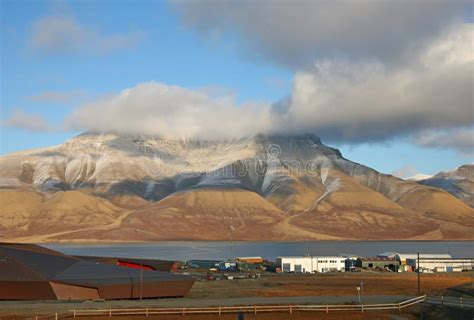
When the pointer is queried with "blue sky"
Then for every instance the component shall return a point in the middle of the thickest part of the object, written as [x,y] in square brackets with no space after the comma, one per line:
[133,42]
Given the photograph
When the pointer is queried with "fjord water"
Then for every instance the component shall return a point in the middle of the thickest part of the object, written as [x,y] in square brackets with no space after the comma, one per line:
[187,250]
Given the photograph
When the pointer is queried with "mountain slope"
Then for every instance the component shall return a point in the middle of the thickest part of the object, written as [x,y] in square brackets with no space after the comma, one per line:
[459,182]
[265,187]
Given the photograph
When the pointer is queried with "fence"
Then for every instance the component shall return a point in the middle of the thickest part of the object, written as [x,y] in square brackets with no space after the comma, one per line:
[247,309]
[452,301]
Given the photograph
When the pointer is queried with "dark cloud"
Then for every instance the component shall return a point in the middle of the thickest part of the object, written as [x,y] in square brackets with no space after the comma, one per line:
[347,101]
[364,71]
[461,140]
[295,33]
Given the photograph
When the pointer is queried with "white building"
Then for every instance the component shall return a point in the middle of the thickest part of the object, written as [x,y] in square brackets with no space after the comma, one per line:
[437,262]
[311,263]
[445,265]
[408,258]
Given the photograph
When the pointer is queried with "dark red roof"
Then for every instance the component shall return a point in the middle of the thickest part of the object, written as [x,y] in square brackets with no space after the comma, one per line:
[24,268]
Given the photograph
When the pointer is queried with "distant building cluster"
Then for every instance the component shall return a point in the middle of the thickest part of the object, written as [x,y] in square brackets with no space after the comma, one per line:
[388,261]
[31,272]
[430,262]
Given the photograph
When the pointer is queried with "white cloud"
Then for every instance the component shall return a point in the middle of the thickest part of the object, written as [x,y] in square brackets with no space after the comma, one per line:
[171,111]
[461,140]
[28,122]
[405,171]
[380,70]
[63,34]
[358,102]
[340,101]
[295,33]
[57,96]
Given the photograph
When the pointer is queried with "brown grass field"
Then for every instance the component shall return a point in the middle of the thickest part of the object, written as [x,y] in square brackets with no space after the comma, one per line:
[294,285]
[332,284]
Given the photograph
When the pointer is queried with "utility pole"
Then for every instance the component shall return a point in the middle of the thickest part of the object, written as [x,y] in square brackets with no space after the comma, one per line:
[358,293]
[141,279]
[418,270]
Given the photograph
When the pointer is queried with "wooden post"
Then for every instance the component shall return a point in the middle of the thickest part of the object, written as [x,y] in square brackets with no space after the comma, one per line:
[146,312]
[291,309]
[418,268]
[56,316]
[399,306]
[255,309]
[362,307]
[184,311]
[74,313]
[110,313]
[327,309]
[442,299]
[219,310]
[460,301]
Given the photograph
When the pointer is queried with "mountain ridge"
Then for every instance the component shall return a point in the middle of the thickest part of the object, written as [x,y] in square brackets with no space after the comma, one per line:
[275,186]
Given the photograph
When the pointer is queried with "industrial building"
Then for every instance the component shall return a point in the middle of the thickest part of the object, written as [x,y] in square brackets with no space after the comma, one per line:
[145,264]
[250,259]
[203,264]
[405,258]
[31,272]
[311,263]
[445,264]
[378,263]
[431,262]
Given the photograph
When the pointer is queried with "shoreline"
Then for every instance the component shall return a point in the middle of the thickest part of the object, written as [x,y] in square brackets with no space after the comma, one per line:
[98,241]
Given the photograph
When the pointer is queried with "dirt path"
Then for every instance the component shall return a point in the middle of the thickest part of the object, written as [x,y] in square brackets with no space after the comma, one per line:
[287,228]
[44,237]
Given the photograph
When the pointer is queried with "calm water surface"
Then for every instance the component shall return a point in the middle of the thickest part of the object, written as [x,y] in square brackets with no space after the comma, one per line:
[186,250]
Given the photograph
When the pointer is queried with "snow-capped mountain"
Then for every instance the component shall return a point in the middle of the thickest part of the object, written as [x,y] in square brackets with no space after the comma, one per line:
[419,177]
[131,187]
[458,182]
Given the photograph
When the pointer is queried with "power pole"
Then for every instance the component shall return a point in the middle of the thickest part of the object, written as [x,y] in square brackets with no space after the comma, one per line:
[141,280]
[418,269]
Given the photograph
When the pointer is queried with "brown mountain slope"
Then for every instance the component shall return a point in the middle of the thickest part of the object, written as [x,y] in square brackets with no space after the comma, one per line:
[197,214]
[458,182]
[132,188]
[28,213]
